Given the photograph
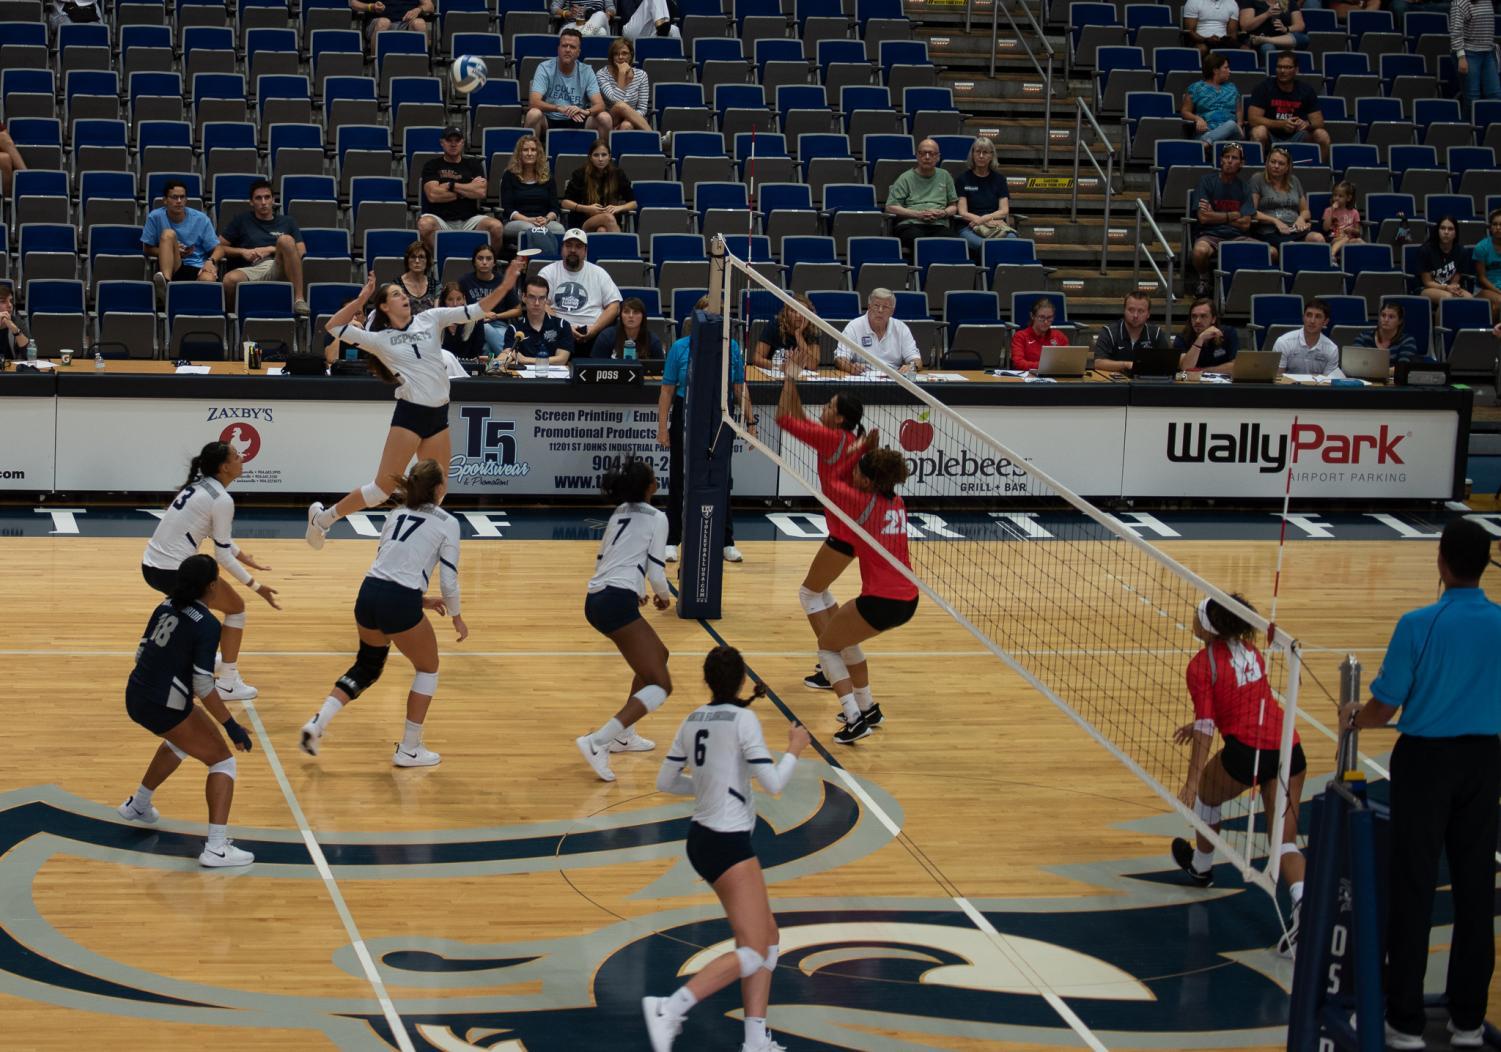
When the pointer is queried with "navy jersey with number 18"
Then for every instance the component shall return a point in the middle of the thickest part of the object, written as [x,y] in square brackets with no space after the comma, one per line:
[175,659]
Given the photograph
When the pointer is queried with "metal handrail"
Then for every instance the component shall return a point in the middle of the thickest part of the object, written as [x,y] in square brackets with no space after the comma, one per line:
[996,8]
[1142,212]
[1107,174]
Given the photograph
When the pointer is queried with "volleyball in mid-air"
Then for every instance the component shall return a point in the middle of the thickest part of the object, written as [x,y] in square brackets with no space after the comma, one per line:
[469,73]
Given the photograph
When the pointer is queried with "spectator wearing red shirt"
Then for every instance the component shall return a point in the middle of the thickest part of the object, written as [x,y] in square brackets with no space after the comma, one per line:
[1027,344]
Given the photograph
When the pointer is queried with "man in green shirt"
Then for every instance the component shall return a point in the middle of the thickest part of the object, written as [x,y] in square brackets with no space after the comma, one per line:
[923,200]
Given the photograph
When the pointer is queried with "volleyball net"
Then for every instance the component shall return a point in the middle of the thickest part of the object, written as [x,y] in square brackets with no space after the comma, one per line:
[1070,597]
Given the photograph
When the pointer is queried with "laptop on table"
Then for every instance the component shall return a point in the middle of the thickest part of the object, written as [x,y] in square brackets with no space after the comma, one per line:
[1365,363]
[1156,366]
[1255,367]
[1063,363]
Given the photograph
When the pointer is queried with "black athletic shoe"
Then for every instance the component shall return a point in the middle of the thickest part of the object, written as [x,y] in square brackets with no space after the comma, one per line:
[873,718]
[853,732]
[818,681]
[1287,943]
[1183,854]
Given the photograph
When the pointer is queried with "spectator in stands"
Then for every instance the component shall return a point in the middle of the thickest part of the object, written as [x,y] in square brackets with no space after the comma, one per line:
[882,335]
[1443,264]
[1210,24]
[923,199]
[537,331]
[650,18]
[788,334]
[1472,38]
[13,338]
[453,186]
[392,14]
[1389,334]
[598,192]
[591,18]
[984,198]
[1308,350]
[73,12]
[1284,109]
[565,92]
[1119,343]
[631,326]
[1027,344]
[479,283]
[1205,346]
[465,340]
[1485,257]
[11,160]
[625,87]
[1224,214]
[1281,205]
[1273,25]
[528,198]
[181,240]
[266,246]
[1212,104]
[583,293]
[420,278]
[1342,218]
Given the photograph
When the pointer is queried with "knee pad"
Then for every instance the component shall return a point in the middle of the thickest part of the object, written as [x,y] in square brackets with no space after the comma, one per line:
[1210,815]
[373,493]
[235,620]
[750,961]
[853,655]
[224,767]
[367,667]
[425,683]
[770,964]
[813,602]
[833,666]
[651,697]
[175,750]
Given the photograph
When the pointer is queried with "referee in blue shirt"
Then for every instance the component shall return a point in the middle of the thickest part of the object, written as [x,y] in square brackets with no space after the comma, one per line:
[1441,672]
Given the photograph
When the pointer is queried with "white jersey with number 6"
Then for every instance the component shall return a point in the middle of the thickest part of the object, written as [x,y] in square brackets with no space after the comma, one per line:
[719,742]
[200,511]
[632,551]
[415,353]
[412,543]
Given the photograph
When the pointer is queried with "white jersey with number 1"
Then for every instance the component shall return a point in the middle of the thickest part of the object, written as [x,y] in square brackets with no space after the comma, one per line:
[415,354]
[201,511]
[413,543]
[633,551]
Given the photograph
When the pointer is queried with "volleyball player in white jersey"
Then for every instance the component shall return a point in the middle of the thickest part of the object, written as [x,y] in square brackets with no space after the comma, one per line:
[418,537]
[407,350]
[630,553]
[202,510]
[721,743]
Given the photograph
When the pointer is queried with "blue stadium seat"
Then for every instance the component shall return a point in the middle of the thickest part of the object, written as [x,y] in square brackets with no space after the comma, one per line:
[970,308]
[1456,314]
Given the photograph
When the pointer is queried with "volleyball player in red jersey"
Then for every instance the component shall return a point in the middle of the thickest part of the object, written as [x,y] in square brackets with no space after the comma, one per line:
[863,484]
[1228,684]
[835,433]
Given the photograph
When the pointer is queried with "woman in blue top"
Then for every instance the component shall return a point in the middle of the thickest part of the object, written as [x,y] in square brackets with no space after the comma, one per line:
[670,431]
[1212,105]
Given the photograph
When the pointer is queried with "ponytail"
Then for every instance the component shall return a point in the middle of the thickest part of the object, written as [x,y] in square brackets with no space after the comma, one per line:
[421,484]
[724,672]
[207,463]
[194,577]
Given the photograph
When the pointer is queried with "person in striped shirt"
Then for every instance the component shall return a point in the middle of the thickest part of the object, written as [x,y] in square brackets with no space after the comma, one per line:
[1472,38]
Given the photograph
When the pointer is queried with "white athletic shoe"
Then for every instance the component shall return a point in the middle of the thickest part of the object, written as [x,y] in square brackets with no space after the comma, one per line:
[630,741]
[130,814]
[229,855]
[660,1026]
[770,1045]
[239,690]
[732,554]
[597,758]
[311,737]
[1400,1039]
[315,534]
[422,756]
[1466,1038]
[671,554]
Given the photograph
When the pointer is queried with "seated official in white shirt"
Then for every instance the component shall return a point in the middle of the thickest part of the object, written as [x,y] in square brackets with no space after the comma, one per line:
[1308,350]
[878,332]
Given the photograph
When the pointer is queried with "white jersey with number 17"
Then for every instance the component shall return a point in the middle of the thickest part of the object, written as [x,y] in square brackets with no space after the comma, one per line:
[415,541]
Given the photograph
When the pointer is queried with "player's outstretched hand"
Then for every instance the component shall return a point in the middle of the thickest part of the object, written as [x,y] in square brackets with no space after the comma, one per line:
[238,735]
[661,602]
[435,602]
[369,289]
[797,738]
[460,629]
[249,560]
[873,438]
[266,592]
[1188,795]
[1184,734]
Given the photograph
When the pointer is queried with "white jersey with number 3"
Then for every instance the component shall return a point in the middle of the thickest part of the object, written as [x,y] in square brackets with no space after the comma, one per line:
[632,551]
[413,543]
[719,743]
[202,510]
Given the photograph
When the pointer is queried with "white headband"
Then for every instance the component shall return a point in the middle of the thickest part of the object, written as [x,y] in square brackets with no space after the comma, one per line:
[1204,617]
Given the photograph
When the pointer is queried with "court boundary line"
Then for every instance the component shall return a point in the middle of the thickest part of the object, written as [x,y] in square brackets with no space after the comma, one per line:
[320,862]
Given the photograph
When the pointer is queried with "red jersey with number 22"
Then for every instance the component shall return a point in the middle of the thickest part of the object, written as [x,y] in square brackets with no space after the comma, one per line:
[1229,686]
[831,444]
[885,519]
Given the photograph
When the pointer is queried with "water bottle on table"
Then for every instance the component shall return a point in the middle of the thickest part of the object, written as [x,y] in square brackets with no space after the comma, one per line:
[31,351]
[541,360]
[628,352]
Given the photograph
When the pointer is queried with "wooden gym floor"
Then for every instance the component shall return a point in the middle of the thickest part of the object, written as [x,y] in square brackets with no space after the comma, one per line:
[508,900]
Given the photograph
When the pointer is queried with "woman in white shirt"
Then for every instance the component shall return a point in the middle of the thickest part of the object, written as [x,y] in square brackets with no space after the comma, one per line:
[722,744]
[406,350]
[626,88]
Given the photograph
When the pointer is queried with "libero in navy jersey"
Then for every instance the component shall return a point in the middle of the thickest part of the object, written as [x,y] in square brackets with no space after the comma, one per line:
[419,539]
[174,663]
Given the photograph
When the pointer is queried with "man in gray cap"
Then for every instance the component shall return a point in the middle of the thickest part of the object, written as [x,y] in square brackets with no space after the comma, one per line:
[583,294]
[453,186]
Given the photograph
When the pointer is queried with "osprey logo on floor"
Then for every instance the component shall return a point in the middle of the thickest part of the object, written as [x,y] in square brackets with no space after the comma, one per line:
[1250,444]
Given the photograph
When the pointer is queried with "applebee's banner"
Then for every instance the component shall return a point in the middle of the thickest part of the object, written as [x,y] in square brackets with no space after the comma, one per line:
[1248,453]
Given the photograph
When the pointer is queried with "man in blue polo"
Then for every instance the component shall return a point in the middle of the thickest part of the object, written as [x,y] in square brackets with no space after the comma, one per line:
[1440,672]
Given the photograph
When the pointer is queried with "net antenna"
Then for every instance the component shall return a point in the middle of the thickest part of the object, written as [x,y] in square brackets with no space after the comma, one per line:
[1087,612]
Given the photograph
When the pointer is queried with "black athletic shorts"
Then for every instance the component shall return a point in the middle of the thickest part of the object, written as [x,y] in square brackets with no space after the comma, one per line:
[611,609]
[387,606]
[153,715]
[425,420]
[844,548]
[884,614]
[162,580]
[712,853]
[185,273]
[1239,759]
